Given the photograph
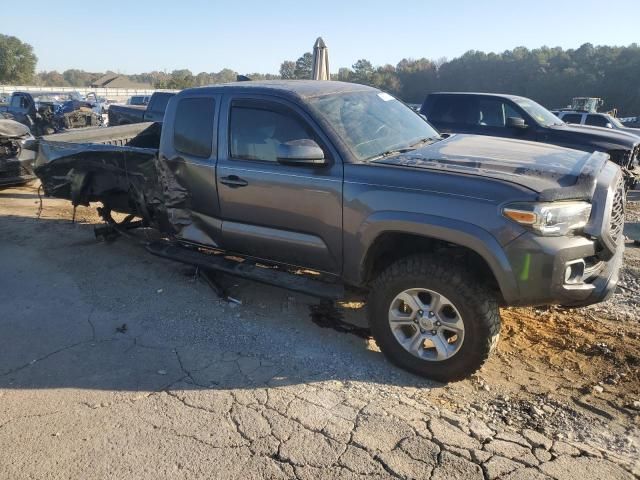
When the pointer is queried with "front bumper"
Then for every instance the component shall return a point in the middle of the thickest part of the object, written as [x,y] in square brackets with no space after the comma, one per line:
[16,171]
[563,270]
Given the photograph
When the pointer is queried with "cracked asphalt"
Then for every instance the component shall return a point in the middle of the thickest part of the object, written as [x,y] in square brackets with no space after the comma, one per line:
[117,364]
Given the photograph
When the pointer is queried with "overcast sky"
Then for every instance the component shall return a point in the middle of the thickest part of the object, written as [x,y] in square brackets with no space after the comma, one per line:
[256,36]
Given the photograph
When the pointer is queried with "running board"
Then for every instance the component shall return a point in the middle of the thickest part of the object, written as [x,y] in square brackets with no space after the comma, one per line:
[270,276]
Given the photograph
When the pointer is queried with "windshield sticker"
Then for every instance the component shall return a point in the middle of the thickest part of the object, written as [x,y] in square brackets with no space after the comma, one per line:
[385,96]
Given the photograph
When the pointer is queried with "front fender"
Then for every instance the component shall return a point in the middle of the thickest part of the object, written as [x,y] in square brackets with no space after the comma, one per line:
[429,226]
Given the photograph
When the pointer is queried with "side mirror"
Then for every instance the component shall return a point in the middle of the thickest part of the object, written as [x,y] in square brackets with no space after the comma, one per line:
[516,122]
[301,152]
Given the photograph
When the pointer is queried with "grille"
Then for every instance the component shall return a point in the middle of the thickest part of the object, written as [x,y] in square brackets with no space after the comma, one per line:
[616,224]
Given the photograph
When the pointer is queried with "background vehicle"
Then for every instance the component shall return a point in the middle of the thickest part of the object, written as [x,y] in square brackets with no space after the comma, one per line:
[16,161]
[520,118]
[48,112]
[128,114]
[139,100]
[346,180]
[597,119]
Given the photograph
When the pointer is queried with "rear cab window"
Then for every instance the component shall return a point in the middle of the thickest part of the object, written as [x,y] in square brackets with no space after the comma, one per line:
[193,128]
[575,118]
[158,102]
[449,109]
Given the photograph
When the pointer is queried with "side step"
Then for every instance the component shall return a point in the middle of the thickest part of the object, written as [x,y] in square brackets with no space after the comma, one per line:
[279,278]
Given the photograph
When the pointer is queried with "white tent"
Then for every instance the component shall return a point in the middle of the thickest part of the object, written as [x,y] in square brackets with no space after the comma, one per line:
[320,60]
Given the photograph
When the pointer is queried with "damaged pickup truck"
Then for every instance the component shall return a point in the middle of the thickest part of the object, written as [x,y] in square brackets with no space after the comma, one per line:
[50,112]
[16,161]
[271,180]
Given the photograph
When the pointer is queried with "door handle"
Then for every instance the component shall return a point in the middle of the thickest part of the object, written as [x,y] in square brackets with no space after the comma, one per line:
[234,181]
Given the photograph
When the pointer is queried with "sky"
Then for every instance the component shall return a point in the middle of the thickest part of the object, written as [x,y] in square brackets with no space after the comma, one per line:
[256,36]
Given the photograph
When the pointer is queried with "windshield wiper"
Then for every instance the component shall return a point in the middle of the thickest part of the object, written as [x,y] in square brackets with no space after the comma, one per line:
[424,141]
[398,151]
[388,153]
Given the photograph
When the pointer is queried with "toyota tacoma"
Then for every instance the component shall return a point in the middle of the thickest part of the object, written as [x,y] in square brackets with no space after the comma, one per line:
[318,186]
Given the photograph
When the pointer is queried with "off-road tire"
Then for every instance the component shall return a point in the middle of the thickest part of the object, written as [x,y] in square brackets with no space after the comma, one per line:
[476,303]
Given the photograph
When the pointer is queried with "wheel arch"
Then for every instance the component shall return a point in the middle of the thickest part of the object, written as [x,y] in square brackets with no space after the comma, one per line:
[388,237]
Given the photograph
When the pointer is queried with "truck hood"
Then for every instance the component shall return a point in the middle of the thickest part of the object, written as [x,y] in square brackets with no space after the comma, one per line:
[603,139]
[13,129]
[632,131]
[555,173]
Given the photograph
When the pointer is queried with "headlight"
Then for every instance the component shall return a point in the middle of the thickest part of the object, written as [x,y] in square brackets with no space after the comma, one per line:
[550,219]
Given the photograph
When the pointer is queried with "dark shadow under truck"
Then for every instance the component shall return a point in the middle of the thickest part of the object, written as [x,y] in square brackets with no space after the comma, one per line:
[345,180]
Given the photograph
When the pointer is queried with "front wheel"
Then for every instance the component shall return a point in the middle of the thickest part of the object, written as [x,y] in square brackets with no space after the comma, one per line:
[431,317]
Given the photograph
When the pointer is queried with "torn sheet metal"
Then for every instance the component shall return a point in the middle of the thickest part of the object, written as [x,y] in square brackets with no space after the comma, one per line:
[120,167]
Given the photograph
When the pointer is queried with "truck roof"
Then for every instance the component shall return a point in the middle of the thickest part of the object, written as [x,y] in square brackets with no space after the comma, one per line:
[499,95]
[299,88]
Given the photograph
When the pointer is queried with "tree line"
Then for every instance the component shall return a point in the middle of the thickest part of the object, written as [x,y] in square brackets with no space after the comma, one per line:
[551,76]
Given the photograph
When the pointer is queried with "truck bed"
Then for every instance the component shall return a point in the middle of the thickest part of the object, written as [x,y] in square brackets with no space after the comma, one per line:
[141,135]
[114,165]
[126,114]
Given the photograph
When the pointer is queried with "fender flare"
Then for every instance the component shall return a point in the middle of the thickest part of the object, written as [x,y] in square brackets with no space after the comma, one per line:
[457,232]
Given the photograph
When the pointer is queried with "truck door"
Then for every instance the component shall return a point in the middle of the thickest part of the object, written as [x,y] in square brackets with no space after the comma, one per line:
[188,156]
[22,109]
[285,213]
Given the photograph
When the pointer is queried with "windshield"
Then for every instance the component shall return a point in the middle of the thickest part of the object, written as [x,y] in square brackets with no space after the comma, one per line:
[373,123]
[615,122]
[540,114]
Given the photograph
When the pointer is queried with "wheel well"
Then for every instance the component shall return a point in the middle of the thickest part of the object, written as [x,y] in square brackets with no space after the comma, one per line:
[392,246]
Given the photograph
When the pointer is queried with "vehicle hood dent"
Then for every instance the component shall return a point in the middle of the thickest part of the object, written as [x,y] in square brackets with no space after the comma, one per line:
[553,172]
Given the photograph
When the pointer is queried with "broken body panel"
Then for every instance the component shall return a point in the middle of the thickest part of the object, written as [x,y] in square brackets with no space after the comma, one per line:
[16,160]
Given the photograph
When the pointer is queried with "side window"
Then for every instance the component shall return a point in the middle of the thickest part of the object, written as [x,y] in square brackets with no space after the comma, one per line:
[16,101]
[158,103]
[493,112]
[596,120]
[572,118]
[510,112]
[449,109]
[256,129]
[193,126]
[489,113]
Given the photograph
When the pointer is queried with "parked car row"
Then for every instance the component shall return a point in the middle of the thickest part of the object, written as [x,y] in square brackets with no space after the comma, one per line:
[438,229]
[50,112]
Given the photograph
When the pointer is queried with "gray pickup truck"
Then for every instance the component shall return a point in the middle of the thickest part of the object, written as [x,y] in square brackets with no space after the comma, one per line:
[151,112]
[271,180]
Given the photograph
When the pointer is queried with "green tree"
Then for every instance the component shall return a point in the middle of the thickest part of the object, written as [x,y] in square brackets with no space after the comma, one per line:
[288,70]
[304,67]
[363,72]
[416,77]
[177,80]
[17,61]
[78,78]
[50,79]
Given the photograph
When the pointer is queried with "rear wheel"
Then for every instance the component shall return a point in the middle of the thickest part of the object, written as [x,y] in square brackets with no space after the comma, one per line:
[433,318]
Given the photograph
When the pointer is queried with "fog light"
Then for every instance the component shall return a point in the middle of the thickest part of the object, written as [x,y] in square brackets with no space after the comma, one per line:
[574,271]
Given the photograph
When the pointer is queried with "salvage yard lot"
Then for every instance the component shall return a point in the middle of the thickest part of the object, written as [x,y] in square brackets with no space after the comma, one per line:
[118,364]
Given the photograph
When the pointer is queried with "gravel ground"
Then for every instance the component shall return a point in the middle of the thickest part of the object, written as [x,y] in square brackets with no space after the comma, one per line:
[118,364]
